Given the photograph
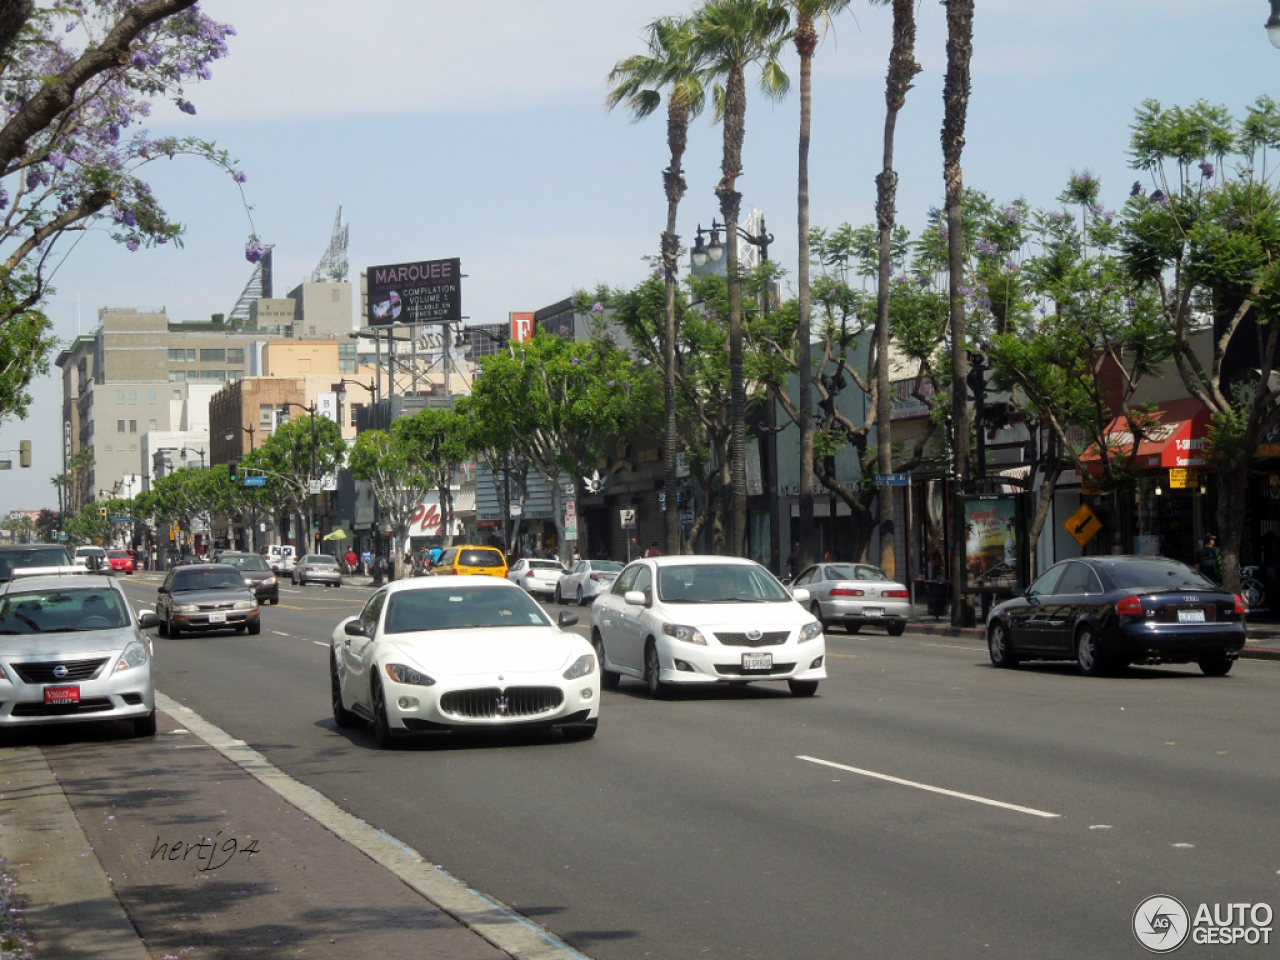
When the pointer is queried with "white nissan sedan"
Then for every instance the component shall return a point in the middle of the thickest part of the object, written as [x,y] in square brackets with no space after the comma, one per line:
[671,621]
[452,653]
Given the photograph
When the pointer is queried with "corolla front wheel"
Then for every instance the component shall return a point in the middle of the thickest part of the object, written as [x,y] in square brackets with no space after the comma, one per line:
[653,673]
[581,600]
[803,688]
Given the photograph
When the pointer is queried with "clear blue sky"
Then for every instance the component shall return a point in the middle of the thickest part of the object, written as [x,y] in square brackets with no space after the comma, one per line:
[477,130]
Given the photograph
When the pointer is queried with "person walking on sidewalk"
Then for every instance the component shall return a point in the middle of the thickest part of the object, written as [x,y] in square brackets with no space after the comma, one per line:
[1208,560]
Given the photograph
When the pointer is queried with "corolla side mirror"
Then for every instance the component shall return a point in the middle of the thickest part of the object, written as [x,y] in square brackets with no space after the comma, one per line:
[567,618]
[800,595]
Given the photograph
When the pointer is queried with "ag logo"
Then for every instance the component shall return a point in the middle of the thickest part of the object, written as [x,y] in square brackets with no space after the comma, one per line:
[1161,924]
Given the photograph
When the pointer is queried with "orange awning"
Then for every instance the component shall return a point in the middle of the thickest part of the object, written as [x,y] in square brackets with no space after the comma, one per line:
[1176,440]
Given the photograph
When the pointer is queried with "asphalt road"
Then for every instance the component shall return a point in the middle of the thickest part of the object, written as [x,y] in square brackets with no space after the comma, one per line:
[923,804]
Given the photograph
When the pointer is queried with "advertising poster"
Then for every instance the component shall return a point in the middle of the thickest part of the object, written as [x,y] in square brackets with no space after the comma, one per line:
[993,542]
[429,291]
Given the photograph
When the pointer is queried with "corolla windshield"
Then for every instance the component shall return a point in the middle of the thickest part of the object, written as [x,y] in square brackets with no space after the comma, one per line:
[712,583]
[461,608]
[62,611]
[208,580]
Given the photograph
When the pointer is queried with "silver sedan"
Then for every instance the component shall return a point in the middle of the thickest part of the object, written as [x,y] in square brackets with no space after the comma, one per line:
[317,568]
[856,595]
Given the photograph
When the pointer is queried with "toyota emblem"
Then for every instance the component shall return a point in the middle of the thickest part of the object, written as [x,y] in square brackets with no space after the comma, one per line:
[754,634]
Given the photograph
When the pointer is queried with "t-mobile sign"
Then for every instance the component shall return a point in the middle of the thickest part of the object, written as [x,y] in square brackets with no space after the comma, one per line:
[429,291]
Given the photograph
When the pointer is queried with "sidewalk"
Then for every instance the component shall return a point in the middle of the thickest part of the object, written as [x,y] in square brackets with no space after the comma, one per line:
[190,846]
[1262,639]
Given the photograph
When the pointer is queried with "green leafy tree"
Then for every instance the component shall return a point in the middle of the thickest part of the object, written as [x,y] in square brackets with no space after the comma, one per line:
[563,401]
[298,451]
[1205,243]
[638,82]
[508,470]
[729,36]
[48,524]
[439,440]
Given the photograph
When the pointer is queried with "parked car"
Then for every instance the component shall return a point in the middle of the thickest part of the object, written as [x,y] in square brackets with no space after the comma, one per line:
[537,576]
[586,580]
[687,620]
[856,595]
[203,597]
[258,576]
[91,558]
[317,568]
[455,653]
[121,561]
[32,558]
[279,556]
[471,560]
[72,650]
[1107,612]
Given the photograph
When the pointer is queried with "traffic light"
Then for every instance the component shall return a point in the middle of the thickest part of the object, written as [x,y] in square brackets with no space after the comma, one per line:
[24,453]
[233,471]
[102,512]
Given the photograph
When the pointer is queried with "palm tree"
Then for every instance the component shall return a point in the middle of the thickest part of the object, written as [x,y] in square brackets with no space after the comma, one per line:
[728,36]
[955,98]
[902,70]
[638,82]
[805,38]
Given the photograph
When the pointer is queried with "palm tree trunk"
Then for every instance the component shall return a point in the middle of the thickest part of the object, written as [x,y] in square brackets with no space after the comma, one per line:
[730,202]
[902,70]
[673,179]
[806,41]
[956,104]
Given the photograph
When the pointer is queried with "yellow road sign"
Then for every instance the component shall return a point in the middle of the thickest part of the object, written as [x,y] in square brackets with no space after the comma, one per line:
[1083,525]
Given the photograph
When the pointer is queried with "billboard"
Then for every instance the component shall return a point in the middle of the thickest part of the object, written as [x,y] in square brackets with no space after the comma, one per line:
[994,542]
[428,291]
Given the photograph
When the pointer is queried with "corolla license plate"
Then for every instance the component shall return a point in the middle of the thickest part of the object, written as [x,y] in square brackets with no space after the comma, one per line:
[217,618]
[61,695]
[873,611]
[1191,616]
[757,661]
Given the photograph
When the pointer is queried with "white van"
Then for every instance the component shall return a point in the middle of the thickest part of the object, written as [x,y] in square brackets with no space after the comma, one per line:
[280,557]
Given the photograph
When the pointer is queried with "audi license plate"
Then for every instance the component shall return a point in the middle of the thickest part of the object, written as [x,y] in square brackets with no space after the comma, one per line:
[217,618]
[1191,616]
[61,695]
[757,661]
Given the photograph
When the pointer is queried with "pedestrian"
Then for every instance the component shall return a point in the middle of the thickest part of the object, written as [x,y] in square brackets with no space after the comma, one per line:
[434,555]
[653,550]
[351,559]
[366,563]
[1208,559]
[576,557]
[793,560]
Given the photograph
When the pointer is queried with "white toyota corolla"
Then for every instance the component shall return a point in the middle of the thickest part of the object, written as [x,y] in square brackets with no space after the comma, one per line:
[451,652]
[690,620]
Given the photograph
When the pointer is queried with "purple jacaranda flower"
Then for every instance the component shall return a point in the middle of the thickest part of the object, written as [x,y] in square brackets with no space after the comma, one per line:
[58,159]
[597,307]
[1136,188]
[574,361]
[1095,275]
[1159,197]
[1012,215]
[609,383]
[238,176]
[254,251]
[186,106]
[922,281]
[132,243]
[1206,169]
[987,248]
[4,198]
[1011,266]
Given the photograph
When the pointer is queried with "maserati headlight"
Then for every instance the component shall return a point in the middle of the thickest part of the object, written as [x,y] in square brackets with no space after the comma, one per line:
[687,634]
[584,666]
[402,674]
[810,631]
[135,655]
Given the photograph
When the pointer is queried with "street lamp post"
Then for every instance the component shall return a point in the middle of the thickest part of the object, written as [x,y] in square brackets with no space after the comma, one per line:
[1273,24]
[712,250]
[228,435]
[185,450]
[311,503]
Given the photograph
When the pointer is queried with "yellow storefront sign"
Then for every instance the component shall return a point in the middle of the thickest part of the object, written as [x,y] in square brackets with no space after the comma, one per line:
[1180,478]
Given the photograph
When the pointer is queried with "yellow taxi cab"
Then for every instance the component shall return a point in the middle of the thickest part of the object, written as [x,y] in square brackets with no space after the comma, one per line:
[468,559]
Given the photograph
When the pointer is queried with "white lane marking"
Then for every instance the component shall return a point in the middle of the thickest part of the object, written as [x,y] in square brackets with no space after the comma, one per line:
[932,789]
[279,633]
[490,918]
[320,643]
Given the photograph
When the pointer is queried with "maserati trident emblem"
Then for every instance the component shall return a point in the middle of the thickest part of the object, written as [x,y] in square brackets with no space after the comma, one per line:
[59,671]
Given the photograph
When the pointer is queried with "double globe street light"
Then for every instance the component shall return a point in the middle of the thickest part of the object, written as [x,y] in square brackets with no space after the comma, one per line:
[1273,24]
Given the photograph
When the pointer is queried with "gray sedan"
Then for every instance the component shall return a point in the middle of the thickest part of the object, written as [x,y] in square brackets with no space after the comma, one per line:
[317,568]
[856,595]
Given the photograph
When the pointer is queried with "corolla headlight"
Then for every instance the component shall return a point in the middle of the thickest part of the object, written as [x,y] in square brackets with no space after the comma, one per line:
[270,581]
[810,631]
[402,674]
[584,666]
[686,634]
[135,655]
[187,608]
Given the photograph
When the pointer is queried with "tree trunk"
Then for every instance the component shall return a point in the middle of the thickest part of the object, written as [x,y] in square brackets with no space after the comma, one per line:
[806,41]
[673,179]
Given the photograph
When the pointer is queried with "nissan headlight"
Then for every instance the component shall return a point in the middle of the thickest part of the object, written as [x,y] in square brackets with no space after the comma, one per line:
[135,655]
[810,631]
[403,674]
[584,666]
[685,634]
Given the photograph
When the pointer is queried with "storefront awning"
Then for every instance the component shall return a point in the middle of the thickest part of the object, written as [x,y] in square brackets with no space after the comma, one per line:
[1176,439]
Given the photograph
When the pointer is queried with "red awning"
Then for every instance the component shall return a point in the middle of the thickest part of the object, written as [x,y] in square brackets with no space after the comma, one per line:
[1176,440]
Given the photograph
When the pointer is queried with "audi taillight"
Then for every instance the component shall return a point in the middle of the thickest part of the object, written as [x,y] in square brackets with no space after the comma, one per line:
[1130,606]
[1241,607]
[846,592]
